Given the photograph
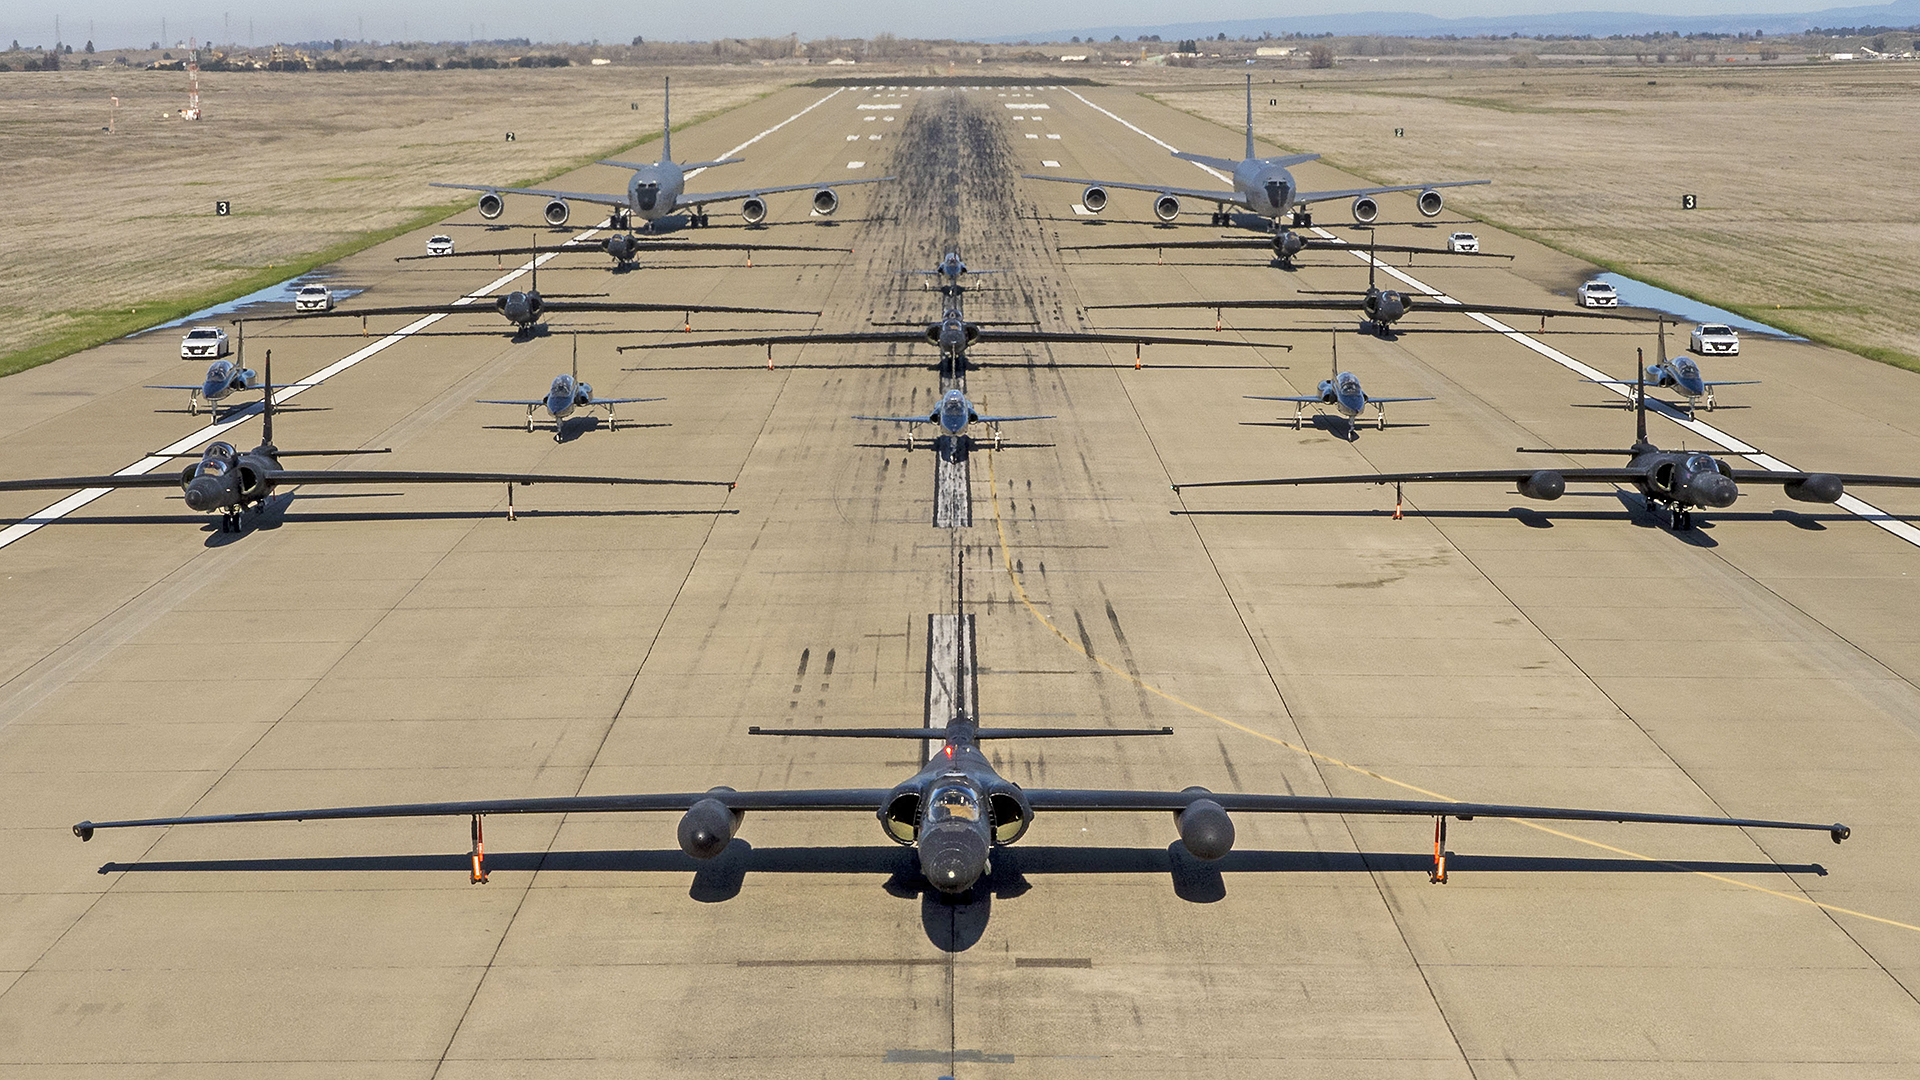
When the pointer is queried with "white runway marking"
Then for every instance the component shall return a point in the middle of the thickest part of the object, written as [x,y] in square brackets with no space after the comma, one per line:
[1851,504]
[33,522]
[1051,164]
[856,164]
[1050,135]
[1031,135]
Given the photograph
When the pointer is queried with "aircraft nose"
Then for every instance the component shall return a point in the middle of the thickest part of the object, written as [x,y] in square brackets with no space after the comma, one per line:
[203,493]
[952,857]
[1714,490]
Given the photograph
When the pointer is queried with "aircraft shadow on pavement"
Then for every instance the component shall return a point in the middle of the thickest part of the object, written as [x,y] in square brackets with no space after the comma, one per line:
[957,923]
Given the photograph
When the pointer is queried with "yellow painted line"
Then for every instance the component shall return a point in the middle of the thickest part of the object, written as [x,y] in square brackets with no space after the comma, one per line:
[1020,591]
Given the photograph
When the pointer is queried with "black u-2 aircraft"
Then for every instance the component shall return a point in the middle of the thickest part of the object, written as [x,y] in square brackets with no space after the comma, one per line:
[626,247]
[957,809]
[1682,481]
[231,481]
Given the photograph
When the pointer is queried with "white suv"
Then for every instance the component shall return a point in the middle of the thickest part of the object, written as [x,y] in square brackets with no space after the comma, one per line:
[440,244]
[1715,338]
[313,298]
[1463,242]
[1597,294]
[204,342]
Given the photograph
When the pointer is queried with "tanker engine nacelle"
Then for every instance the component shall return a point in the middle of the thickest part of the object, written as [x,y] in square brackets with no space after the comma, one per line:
[1094,199]
[825,202]
[491,204]
[754,210]
[1166,207]
[557,212]
[1429,203]
[1366,211]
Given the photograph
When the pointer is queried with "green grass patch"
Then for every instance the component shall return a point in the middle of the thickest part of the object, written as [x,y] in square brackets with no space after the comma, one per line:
[99,326]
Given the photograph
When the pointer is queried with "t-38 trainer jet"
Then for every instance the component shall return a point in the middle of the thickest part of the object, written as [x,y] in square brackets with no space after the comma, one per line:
[1682,481]
[957,809]
[1261,186]
[1343,392]
[1679,373]
[659,189]
[230,481]
[953,414]
[567,395]
[224,378]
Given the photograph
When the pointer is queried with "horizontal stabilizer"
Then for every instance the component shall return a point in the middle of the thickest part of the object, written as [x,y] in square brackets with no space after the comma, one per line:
[940,733]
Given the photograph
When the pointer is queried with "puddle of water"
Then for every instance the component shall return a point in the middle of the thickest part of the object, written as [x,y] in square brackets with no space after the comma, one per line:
[1642,295]
[281,292]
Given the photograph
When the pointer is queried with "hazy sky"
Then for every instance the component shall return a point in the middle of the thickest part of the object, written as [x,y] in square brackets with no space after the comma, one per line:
[129,25]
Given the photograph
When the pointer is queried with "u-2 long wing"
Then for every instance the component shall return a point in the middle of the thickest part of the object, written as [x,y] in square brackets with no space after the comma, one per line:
[1197,194]
[1418,304]
[599,247]
[1457,476]
[868,799]
[988,336]
[369,476]
[1251,243]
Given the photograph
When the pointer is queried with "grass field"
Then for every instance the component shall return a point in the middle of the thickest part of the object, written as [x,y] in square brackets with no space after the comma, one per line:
[1804,174]
[106,234]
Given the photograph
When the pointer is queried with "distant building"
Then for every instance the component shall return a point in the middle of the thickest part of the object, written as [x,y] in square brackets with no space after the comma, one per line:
[1269,50]
[1080,59]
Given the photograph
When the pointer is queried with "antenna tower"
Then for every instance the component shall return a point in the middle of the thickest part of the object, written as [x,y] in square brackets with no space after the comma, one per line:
[192,111]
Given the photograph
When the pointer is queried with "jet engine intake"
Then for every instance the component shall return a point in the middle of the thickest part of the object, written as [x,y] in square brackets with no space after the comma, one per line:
[1545,485]
[1816,488]
[557,212]
[1166,207]
[1011,815]
[825,202]
[901,817]
[754,210]
[1429,203]
[491,204]
[709,826]
[1365,210]
[252,484]
[1205,828]
[1094,199]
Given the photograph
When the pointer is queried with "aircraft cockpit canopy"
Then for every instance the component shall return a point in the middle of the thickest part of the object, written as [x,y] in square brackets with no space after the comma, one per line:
[953,803]
[218,460]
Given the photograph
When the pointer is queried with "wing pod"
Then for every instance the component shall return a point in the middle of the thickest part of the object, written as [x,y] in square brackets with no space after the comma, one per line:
[1206,829]
[1545,485]
[1816,488]
[709,826]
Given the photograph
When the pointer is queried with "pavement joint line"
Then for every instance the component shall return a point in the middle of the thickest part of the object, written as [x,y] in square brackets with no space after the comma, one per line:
[1850,503]
[34,522]
[1019,589]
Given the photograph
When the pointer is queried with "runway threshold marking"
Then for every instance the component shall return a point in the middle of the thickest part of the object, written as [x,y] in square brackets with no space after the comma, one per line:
[34,522]
[1020,592]
[1006,558]
[1854,505]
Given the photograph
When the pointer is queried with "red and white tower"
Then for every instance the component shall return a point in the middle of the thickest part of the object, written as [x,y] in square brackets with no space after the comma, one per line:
[192,111]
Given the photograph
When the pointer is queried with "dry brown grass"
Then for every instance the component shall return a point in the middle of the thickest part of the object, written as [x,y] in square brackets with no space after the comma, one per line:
[1805,175]
[99,224]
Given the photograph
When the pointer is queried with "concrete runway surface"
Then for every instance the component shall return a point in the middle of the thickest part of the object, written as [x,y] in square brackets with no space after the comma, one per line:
[366,646]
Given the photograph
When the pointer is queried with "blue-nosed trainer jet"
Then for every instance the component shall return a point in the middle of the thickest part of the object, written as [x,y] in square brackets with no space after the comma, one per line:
[953,414]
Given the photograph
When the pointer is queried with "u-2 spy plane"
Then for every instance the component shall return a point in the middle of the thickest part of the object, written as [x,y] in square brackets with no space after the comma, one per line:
[957,809]
[226,480]
[1682,481]
[524,308]
[953,415]
[1381,308]
[567,395]
[658,190]
[626,247]
[1261,186]
[1343,392]
[224,378]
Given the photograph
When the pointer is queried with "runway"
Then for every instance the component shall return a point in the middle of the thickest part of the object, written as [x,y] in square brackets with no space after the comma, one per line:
[385,647]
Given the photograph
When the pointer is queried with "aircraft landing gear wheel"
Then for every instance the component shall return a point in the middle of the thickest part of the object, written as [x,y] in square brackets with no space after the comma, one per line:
[193,406]
[1682,519]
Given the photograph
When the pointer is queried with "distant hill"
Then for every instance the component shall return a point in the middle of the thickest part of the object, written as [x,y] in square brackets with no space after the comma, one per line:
[1900,13]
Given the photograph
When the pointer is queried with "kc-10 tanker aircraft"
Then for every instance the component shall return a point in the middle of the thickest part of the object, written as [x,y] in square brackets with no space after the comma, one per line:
[659,190]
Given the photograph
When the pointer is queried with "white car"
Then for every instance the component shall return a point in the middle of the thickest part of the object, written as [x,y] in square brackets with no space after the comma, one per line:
[1463,241]
[313,298]
[204,343]
[441,244]
[1715,339]
[1597,294]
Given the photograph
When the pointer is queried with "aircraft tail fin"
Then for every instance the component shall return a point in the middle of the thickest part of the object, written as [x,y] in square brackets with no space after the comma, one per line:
[1335,363]
[266,405]
[1640,392]
[1249,116]
[666,123]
